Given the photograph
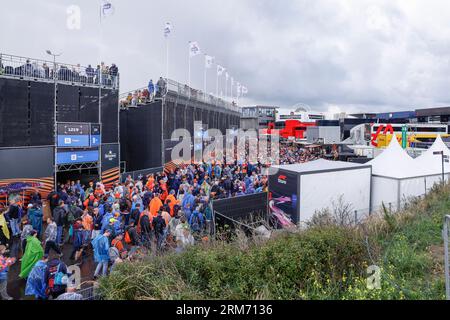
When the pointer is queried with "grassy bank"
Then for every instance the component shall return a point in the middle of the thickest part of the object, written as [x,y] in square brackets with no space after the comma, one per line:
[324,262]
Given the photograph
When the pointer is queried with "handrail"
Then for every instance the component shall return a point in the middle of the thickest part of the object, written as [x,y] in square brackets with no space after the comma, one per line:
[44,70]
[446,256]
[185,91]
[191,93]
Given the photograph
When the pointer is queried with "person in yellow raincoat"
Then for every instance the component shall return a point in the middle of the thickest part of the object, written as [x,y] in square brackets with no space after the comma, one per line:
[33,253]
[4,226]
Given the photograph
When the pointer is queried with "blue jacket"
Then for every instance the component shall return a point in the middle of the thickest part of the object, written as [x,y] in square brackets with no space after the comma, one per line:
[35,215]
[101,248]
[36,284]
[196,225]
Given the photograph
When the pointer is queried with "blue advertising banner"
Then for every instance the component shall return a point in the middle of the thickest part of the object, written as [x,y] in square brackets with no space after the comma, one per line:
[96,140]
[71,157]
[70,141]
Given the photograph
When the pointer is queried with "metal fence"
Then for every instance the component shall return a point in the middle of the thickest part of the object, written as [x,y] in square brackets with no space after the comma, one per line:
[185,91]
[445,235]
[43,70]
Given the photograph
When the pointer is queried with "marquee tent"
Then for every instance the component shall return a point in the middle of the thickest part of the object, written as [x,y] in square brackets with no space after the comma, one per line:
[396,177]
[432,162]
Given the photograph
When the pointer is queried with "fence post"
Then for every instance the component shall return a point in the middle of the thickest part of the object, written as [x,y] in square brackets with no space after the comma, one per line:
[390,207]
[356,217]
[446,256]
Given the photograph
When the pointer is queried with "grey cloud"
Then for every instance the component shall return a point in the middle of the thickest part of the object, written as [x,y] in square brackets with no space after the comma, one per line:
[361,55]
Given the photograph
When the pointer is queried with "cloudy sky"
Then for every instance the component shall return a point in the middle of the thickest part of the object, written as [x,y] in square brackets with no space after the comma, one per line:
[350,55]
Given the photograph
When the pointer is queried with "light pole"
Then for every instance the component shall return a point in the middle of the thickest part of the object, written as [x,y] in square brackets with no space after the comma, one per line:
[55,127]
[444,159]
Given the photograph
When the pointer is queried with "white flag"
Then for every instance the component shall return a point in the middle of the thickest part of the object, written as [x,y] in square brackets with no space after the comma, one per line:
[220,70]
[227,76]
[232,83]
[244,90]
[239,87]
[194,49]
[209,61]
[106,9]
[167,29]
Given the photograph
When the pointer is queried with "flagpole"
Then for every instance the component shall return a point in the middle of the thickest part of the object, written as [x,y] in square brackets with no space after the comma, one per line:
[217,83]
[189,73]
[167,60]
[204,81]
[226,87]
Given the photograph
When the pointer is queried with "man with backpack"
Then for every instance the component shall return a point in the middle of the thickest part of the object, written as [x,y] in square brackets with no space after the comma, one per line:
[60,217]
[56,278]
[35,216]
[159,225]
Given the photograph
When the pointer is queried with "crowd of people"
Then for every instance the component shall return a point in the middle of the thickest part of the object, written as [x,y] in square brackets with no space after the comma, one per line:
[146,95]
[156,213]
[160,212]
[104,74]
[291,154]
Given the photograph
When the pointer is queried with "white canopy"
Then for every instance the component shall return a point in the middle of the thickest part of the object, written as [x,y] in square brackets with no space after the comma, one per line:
[394,162]
[432,162]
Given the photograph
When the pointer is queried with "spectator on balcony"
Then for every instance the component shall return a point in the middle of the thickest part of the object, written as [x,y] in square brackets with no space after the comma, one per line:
[98,74]
[90,72]
[46,70]
[161,86]
[145,95]
[114,72]
[28,69]
[151,88]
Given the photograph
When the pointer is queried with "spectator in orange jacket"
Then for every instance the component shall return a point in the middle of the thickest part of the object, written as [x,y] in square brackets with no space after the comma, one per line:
[155,205]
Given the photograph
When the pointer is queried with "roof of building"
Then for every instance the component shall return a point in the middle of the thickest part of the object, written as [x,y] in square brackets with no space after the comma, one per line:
[320,166]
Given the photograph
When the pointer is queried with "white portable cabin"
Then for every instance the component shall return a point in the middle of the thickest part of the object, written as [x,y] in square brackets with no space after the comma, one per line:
[320,184]
[396,177]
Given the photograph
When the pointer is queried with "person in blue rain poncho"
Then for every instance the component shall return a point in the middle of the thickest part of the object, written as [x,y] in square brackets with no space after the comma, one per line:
[188,203]
[101,253]
[36,284]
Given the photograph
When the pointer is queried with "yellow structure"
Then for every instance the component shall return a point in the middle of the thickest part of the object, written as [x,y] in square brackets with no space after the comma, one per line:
[385,139]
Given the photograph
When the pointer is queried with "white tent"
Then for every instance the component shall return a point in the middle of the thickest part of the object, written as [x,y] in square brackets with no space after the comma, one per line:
[432,162]
[396,177]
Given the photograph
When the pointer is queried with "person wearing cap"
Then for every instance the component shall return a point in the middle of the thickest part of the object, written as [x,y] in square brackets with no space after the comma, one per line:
[112,228]
[36,285]
[101,253]
[35,215]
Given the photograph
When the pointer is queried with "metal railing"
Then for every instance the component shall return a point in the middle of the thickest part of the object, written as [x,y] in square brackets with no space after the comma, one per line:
[446,256]
[44,70]
[136,98]
[185,91]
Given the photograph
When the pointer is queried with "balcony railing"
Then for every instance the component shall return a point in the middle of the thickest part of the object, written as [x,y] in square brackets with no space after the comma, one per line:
[190,93]
[42,70]
[137,97]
